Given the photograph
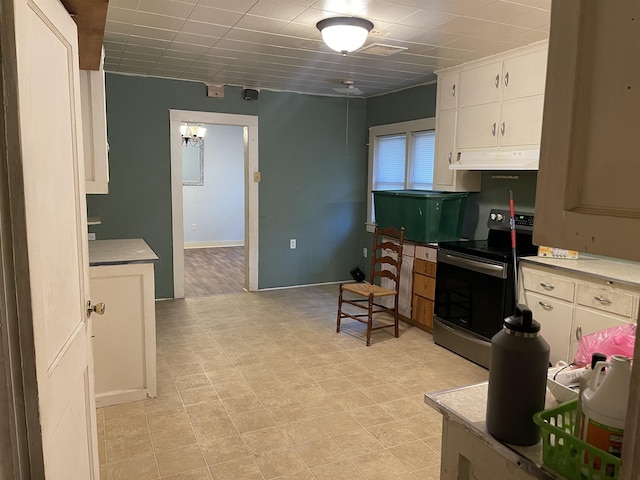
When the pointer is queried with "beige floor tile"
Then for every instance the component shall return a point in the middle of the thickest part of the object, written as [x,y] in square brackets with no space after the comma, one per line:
[198,395]
[167,420]
[259,441]
[234,388]
[122,410]
[337,385]
[343,470]
[241,469]
[405,407]
[276,463]
[322,406]
[127,440]
[357,442]
[197,474]
[303,431]
[189,382]
[383,393]
[337,423]
[434,443]
[380,465]
[242,404]
[429,473]
[139,468]
[320,452]
[254,420]
[288,413]
[201,412]
[214,428]
[301,475]
[351,400]
[415,455]
[392,434]
[424,425]
[171,438]
[164,402]
[223,449]
[370,415]
[180,460]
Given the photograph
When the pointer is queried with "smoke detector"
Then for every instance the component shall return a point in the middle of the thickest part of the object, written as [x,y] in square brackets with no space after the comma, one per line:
[348,88]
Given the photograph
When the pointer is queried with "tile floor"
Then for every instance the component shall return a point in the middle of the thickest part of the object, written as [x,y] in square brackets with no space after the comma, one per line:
[260,386]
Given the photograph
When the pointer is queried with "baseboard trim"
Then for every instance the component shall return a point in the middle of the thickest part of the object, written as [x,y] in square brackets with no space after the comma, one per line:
[231,243]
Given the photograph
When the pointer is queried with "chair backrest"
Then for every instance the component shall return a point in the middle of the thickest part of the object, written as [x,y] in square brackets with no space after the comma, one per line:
[386,256]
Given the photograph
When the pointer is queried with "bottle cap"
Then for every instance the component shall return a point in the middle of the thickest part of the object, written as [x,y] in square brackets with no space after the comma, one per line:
[597,357]
[522,321]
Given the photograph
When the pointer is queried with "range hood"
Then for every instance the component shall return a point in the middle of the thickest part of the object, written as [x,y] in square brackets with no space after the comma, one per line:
[497,160]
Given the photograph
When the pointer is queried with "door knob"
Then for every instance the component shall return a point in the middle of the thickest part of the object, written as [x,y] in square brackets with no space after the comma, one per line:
[97,308]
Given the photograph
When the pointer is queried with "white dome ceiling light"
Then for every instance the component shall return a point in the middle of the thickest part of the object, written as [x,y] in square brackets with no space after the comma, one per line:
[344,34]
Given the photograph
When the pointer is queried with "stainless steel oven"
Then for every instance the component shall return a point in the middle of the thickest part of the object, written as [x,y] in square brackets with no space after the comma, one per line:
[475,286]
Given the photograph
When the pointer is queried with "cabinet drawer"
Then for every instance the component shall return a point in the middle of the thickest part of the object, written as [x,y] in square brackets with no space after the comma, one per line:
[429,254]
[606,299]
[422,311]
[555,317]
[424,267]
[424,286]
[546,284]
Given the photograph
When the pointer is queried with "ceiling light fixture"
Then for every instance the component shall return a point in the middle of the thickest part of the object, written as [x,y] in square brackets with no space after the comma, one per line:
[192,134]
[344,34]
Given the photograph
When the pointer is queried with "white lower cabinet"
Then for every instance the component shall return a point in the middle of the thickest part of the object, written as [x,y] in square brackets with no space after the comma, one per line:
[570,304]
[124,347]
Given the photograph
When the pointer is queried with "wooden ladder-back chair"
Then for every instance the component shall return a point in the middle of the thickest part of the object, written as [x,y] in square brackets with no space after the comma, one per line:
[386,260]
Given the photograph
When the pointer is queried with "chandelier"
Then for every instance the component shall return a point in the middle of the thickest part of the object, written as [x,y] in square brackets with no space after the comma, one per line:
[192,134]
[344,34]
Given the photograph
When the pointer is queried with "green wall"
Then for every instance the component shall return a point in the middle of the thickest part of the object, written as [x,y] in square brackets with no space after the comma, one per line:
[312,187]
[401,106]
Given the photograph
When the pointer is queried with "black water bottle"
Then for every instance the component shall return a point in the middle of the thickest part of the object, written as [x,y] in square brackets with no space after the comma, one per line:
[517,379]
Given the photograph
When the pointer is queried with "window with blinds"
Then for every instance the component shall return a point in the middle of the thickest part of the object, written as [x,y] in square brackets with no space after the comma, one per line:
[401,156]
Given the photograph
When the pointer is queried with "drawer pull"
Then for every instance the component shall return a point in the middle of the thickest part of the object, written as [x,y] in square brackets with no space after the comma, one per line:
[547,286]
[578,332]
[546,306]
[497,82]
[603,300]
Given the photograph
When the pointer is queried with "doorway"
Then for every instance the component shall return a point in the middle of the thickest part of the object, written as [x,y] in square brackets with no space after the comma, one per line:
[249,126]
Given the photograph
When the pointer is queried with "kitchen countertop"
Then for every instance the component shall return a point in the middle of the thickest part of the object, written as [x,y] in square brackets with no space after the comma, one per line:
[609,269]
[118,252]
[468,405]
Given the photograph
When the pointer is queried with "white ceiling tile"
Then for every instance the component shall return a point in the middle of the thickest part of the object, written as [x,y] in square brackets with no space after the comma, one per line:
[457,7]
[384,10]
[546,4]
[398,32]
[113,46]
[123,15]
[152,33]
[527,37]
[500,31]
[195,39]
[465,26]
[433,37]
[214,15]
[500,11]
[147,42]
[535,18]
[186,48]
[171,8]
[426,19]
[260,24]
[241,6]
[116,37]
[163,22]
[300,30]
[130,4]
[277,10]
[202,28]
[117,28]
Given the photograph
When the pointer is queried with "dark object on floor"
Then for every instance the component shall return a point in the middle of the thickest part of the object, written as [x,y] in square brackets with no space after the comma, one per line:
[357,274]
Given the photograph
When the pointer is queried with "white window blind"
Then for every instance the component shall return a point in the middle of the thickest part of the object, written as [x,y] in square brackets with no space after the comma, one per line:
[423,146]
[390,161]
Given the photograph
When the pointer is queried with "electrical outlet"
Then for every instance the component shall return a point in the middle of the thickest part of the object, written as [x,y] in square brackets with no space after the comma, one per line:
[292,243]
[364,252]
[193,227]
[92,236]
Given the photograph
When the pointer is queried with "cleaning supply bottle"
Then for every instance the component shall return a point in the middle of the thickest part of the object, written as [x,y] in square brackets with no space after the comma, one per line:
[517,379]
[604,405]
[584,382]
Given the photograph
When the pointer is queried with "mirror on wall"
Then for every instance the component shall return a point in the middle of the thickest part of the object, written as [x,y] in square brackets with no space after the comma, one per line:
[193,163]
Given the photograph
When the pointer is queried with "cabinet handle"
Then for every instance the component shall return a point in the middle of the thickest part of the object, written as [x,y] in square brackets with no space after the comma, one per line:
[497,81]
[506,79]
[603,300]
[493,129]
[546,306]
[547,286]
[502,128]
[578,332]
[453,90]
[450,154]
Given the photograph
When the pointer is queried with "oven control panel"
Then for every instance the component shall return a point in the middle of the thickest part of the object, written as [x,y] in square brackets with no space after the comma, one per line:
[500,220]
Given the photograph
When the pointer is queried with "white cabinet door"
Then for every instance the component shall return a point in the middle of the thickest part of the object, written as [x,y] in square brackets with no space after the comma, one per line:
[448,91]
[587,321]
[524,75]
[480,85]
[94,131]
[445,138]
[478,126]
[555,323]
[521,122]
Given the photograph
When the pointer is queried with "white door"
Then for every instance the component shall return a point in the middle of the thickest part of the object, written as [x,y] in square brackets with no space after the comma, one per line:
[478,126]
[480,85]
[51,143]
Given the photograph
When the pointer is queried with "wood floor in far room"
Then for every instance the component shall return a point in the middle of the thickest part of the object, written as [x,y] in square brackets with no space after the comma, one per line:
[212,271]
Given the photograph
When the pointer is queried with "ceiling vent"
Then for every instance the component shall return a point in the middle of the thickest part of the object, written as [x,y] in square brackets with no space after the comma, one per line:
[382,50]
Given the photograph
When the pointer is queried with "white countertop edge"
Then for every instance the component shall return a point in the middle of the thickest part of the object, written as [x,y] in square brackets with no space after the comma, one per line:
[120,251]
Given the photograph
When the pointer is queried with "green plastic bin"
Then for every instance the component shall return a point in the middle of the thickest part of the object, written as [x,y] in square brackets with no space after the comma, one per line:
[425,216]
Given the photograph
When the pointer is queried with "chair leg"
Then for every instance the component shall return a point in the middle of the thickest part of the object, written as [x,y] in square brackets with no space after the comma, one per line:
[339,310]
[370,319]
[395,317]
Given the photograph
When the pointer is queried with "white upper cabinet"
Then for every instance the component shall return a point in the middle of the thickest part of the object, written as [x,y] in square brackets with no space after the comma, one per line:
[499,103]
[94,131]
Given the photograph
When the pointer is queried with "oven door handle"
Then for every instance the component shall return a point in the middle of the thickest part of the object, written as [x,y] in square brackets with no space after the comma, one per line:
[475,265]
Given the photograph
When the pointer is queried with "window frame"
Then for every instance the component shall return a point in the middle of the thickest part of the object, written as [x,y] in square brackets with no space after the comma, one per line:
[400,128]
